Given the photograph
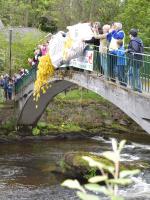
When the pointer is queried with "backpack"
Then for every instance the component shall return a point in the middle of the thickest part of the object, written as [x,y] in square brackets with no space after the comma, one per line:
[140,47]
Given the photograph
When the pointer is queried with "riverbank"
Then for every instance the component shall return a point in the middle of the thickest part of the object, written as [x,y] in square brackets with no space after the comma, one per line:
[77,113]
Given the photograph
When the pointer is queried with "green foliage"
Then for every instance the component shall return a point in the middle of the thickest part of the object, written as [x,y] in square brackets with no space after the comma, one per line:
[3,51]
[9,125]
[45,128]
[136,14]
[36,131]
[111,184]
[91,173]
[74,11]
[48,15]
[58,14]
[22,49]
[41,125]
[67,127]
[47,25]
[80,94]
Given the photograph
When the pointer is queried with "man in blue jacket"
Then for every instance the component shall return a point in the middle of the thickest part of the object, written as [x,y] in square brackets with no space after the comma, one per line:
[135,52]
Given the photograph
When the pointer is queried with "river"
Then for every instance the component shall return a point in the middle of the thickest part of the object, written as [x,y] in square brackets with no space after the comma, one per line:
[25,168]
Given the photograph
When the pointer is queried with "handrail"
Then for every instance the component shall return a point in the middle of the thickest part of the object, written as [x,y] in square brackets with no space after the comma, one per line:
[25,80]
[133,73]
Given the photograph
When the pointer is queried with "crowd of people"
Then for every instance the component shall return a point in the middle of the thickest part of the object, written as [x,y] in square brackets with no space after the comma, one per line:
[41,50]
[109,41]
[8,82]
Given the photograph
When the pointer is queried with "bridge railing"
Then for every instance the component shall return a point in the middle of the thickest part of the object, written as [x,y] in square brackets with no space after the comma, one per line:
[131,70]
[25,80]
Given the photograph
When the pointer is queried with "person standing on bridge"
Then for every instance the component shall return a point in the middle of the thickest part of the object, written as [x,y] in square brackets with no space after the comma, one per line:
[121,63]
[116,34]
[103,48]
[95,43]
[135,52]
[10,89]
[5,86]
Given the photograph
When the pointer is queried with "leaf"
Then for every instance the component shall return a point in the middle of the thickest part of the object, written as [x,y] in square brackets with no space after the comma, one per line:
[120,181]
[121,145]
[111,169]
[73,184]
[114,145]
[97,188]
[92,163]
[113,156]
[97,179]
[85,196]
[93,187]
[126,173]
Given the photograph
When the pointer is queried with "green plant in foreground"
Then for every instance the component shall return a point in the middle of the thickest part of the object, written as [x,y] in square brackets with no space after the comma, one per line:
[110,188]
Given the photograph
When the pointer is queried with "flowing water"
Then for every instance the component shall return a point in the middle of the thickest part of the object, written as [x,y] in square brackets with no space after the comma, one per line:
[25,168]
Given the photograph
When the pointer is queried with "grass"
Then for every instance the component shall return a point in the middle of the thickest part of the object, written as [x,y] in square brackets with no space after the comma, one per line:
[63,127]
[80,94]
[70,127]
[119,127]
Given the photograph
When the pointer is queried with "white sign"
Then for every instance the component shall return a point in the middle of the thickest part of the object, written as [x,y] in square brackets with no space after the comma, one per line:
[83,62]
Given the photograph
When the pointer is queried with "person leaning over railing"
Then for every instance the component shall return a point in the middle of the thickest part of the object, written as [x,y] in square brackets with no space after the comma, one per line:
[95,43]
[135,51]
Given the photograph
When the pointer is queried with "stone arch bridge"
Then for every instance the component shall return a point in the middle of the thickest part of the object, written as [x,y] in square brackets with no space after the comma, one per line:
[136,105]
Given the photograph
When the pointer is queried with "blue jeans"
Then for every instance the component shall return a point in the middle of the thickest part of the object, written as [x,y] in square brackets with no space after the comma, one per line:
[134,76]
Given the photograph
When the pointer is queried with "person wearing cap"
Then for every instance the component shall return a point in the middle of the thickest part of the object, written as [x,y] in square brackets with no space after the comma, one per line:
[135,53]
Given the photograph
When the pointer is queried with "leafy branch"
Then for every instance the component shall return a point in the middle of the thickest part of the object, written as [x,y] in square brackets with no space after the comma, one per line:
[110,188]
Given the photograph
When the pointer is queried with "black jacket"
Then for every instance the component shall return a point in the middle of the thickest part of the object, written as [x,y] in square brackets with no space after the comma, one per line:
[95,42]
[136,48]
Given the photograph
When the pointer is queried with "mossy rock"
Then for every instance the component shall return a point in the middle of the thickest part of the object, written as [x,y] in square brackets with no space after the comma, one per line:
[75,159]
[74,166]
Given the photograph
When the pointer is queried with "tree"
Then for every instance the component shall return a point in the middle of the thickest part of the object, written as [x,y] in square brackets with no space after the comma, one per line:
[136,14]
[58,14]
[70,12]
[22,49]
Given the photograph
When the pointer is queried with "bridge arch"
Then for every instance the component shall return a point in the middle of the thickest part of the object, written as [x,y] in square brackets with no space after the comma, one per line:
[134,104]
